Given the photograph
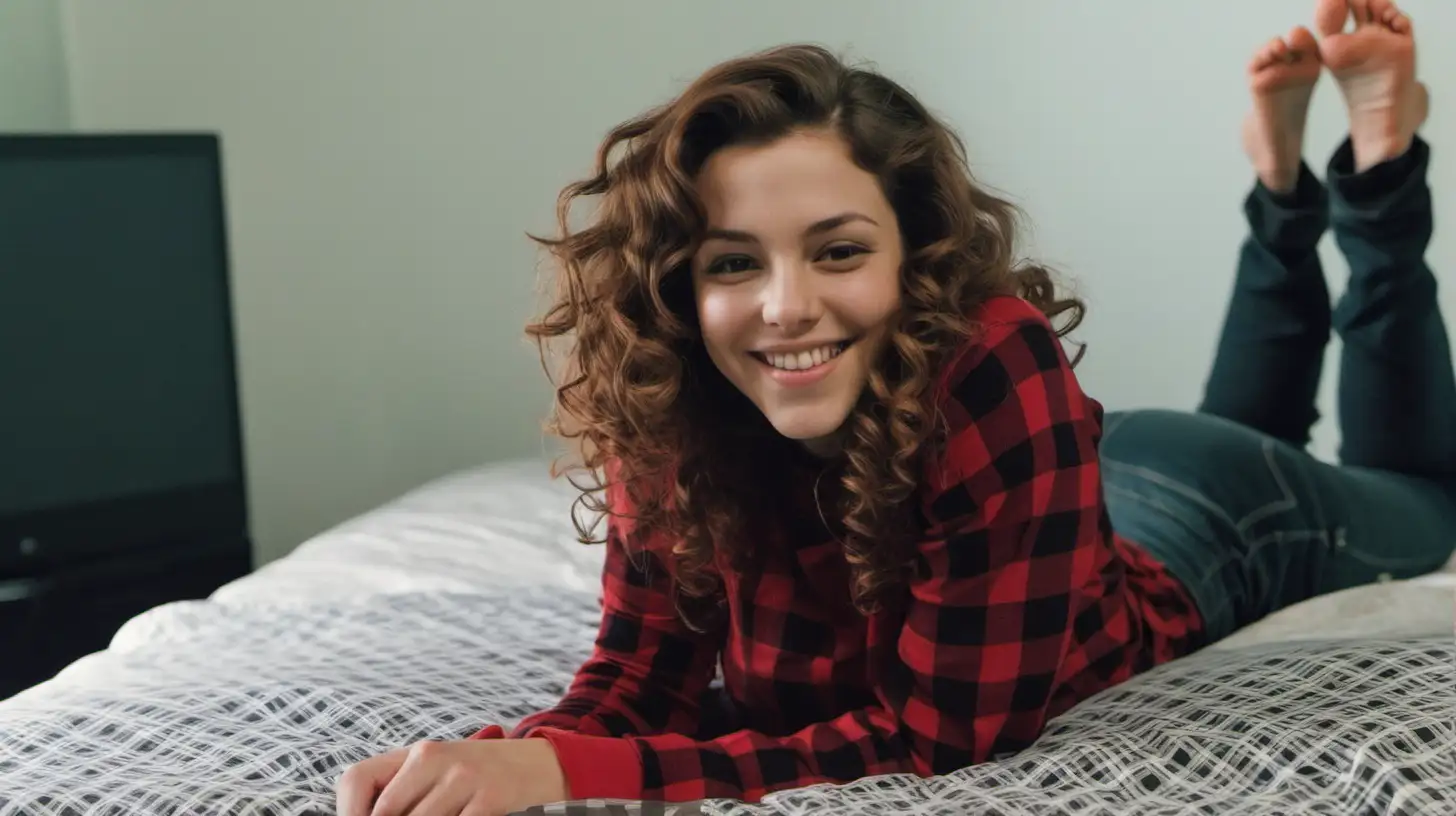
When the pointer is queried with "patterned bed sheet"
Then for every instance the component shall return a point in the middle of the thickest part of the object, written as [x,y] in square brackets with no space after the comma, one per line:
[469,602]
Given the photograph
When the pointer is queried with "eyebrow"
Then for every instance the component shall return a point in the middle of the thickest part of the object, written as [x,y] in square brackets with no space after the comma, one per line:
[825,225]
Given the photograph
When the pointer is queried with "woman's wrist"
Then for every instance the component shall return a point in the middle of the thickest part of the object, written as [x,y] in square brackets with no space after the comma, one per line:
[545,780]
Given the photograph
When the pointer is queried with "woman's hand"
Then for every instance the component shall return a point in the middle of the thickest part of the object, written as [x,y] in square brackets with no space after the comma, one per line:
[459,778]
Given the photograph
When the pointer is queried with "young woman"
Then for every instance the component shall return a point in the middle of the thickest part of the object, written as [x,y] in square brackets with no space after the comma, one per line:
[847,463]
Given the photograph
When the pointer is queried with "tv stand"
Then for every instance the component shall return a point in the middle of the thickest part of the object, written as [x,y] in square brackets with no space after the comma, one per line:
[52,617]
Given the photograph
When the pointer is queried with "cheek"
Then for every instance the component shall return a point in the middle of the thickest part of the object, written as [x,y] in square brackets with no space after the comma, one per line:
[877,300]
[720,320]
[890,298]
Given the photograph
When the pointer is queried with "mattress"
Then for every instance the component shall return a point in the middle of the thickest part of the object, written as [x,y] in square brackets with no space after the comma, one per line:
[469,601]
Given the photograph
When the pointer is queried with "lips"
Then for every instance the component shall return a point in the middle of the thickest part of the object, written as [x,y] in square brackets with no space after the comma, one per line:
[802,360]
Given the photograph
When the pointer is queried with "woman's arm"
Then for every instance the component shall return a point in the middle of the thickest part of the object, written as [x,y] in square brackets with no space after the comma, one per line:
[648,670]
[1016,615]
[646,675]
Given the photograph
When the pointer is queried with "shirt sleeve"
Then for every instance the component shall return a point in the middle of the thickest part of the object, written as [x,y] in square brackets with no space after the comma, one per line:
[646,675]
[1012,618]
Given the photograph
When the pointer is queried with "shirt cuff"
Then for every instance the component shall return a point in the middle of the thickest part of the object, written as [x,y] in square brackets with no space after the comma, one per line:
[596,767]
[489,732]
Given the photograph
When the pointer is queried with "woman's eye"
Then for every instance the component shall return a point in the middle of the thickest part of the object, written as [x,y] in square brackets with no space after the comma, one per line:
[731,264]
[842,252]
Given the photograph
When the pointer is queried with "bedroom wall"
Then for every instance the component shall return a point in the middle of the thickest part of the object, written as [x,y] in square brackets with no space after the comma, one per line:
[385,161]
[33,93]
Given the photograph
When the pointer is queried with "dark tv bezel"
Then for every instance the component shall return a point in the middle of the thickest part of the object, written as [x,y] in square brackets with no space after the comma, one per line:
[209,516]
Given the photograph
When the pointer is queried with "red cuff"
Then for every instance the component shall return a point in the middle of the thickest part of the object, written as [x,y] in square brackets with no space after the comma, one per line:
[596,767]
[489,732]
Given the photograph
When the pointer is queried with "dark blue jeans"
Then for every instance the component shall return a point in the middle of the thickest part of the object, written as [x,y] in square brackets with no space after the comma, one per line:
[1227,497]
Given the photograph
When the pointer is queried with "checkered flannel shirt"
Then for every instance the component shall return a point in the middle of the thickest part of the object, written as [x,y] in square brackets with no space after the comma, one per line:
[1026,603]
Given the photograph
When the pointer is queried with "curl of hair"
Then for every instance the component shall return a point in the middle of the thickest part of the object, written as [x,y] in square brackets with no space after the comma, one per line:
[651,414]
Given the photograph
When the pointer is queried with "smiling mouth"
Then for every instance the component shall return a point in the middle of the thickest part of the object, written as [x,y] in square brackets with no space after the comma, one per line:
[803,360]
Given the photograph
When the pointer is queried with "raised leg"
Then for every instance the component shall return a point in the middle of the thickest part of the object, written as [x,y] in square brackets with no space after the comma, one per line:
[1266,371]
[1397,393]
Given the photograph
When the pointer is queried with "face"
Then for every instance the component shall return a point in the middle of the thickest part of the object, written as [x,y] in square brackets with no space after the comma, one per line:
[797,279]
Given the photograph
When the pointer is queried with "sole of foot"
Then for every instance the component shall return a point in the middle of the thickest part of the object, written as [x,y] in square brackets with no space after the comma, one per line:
[1369,47]
[1282,77]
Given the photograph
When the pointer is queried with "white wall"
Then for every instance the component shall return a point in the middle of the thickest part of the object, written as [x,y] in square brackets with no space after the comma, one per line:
[385,159]
[32,67]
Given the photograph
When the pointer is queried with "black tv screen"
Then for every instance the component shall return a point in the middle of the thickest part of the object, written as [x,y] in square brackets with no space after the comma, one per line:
[118,400]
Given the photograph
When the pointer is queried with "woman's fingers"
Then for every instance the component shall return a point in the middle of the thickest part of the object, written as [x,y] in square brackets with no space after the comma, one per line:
[423,766]
[447,796]
[357,787]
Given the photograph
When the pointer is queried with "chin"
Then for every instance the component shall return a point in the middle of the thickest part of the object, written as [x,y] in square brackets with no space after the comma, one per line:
[808,428]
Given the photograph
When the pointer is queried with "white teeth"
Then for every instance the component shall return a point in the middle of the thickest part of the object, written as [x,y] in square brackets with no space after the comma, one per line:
[804,359]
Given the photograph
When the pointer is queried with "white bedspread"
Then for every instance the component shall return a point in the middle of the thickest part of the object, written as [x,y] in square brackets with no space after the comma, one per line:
[469,602]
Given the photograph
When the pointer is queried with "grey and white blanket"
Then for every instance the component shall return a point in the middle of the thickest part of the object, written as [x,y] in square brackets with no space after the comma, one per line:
[466,604]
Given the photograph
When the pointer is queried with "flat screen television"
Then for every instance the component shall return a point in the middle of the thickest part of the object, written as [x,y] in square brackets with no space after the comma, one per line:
[119,418]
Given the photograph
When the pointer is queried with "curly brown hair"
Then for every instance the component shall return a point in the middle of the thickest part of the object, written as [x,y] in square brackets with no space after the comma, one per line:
[652,414]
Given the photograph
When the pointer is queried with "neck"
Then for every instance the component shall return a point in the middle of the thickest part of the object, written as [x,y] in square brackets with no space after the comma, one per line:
[825,447]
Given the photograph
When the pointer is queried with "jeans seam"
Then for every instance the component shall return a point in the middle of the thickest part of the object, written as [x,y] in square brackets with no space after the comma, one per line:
[1285,503]
[1288,501]
[1248,549]
[1160,508]
[1200,580]
[1255,547]
[1157,478]
[1113,425]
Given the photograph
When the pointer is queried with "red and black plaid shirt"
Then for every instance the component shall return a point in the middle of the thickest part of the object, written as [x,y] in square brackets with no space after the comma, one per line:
[1026,604]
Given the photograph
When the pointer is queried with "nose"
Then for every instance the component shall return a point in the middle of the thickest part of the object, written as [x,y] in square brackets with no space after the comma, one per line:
[790,299]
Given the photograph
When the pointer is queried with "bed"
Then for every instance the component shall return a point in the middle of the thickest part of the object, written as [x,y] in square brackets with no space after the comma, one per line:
[468,601]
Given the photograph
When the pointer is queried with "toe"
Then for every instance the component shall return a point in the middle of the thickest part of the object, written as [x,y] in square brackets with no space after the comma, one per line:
[1330,16]
[1383,12]
[1301,40]
[1360,10]
[1267,55]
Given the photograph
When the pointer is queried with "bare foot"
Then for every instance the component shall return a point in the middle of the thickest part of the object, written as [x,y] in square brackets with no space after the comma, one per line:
[1282,77]
[1375,66]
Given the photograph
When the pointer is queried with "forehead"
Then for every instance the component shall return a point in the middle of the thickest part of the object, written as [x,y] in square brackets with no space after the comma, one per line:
[799,178]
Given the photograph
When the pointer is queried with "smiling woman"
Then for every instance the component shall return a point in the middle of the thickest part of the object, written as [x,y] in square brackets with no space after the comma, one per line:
[794,305]
[785,205]
[846,463]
